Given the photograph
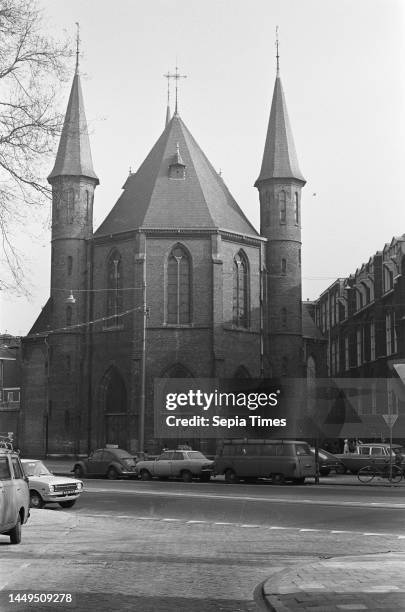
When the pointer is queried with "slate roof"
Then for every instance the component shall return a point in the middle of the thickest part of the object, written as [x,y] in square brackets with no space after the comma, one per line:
[153,200]
[279,157]
[309,328]
[74,154]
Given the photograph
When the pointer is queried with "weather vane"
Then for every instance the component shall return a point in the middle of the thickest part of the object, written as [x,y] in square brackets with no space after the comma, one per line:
[77,46]
[176,76]
[277,55]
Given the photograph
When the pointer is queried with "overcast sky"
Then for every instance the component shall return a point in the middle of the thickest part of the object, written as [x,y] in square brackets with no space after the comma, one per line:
[342,68]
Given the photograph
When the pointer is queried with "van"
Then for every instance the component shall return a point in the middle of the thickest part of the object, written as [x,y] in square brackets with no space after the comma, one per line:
[14,495]
[279,460]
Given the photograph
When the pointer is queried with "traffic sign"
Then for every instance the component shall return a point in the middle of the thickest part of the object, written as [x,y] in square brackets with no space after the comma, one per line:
[390,419]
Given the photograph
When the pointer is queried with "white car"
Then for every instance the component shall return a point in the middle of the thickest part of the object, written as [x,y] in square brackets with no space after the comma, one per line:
[46,488]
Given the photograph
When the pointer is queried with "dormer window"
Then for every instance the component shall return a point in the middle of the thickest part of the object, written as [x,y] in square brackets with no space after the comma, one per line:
[177,169]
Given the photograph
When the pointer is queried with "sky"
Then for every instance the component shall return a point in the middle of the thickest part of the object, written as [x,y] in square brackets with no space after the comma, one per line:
[342,69]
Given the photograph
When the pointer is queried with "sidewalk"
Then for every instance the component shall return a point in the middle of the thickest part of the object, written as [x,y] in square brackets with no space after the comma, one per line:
[367,582]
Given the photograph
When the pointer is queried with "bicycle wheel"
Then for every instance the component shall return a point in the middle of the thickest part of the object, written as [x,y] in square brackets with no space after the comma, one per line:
[396,474]
[366,474]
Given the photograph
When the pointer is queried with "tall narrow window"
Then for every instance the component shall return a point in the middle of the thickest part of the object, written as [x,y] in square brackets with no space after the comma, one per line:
[372,341]
[283,266]
[240,291]
[284,318]
[388,333]
[69,265]
[114,289]
[69,201]
[283,206]
[296,209]
[179,287]
[68,316]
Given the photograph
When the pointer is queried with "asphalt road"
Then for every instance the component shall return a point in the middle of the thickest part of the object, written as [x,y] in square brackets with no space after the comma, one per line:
[198,547]
[356,509]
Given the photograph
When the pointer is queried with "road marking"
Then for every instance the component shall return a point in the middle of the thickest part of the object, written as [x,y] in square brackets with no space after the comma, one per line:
[245,525]
[276,500]
[310,530]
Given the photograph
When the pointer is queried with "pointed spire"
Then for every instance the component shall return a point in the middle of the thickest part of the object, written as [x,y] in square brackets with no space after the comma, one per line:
[168,98]
[279,157]
[74,154]
[168,115]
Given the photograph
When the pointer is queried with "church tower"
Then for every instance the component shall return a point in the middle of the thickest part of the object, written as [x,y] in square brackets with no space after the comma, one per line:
[73,182]
[279,184]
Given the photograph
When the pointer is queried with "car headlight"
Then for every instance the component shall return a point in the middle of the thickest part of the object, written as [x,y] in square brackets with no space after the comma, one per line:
[80,486]
[51,488]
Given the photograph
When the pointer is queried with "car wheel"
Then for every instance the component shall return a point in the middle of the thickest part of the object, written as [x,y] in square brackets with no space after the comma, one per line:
[112,473]
[145,475]
[67,504]
[78,471]
[15,532]
[187,476]
[250,479]
[299,481]
[277,478]
[36,500]
[324,471]
[231,477]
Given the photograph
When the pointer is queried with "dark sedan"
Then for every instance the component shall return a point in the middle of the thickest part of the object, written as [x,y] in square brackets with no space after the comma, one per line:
[328,462]
[110,462]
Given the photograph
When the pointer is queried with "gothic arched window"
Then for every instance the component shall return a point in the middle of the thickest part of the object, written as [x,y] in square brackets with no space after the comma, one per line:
[240,290]
[179,287]
[282,201]
[69,265]
[114,288]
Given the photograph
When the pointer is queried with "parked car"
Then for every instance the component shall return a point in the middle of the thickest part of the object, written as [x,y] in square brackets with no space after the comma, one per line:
[279,460]
[328,462]
[369,454]
[47,488]
[111,462]
[184,464]
[15,497]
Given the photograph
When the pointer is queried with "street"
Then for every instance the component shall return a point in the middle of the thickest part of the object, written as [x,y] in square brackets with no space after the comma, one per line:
[171,546]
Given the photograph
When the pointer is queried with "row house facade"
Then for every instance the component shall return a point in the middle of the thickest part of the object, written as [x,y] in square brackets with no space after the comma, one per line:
[362,318]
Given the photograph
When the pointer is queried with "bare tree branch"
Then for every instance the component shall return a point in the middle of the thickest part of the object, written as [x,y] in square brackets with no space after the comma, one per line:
[31,68]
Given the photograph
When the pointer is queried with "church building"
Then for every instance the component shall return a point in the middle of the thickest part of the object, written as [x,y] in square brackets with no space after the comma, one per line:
[176,282]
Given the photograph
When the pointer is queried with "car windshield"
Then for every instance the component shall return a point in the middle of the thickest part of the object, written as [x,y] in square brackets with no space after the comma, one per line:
[195,455]
[35,468]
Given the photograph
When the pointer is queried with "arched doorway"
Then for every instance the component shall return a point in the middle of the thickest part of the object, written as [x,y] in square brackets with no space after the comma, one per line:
[113,401]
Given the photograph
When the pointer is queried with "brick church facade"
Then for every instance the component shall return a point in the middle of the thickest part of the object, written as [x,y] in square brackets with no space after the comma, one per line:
[176,282]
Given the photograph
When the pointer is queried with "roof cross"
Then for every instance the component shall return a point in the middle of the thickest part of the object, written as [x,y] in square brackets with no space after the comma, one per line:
[176,76]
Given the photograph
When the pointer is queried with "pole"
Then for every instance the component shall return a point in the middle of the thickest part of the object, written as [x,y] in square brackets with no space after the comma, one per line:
[316,461]
[143,364]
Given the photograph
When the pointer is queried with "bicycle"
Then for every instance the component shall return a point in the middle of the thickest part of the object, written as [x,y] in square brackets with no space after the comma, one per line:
[368,472]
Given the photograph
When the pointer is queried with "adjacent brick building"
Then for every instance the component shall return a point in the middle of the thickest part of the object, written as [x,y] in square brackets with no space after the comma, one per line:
[362,319]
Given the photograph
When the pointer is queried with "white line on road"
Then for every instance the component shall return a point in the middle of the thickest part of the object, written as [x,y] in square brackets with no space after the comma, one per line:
[246,525]
[276,500]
